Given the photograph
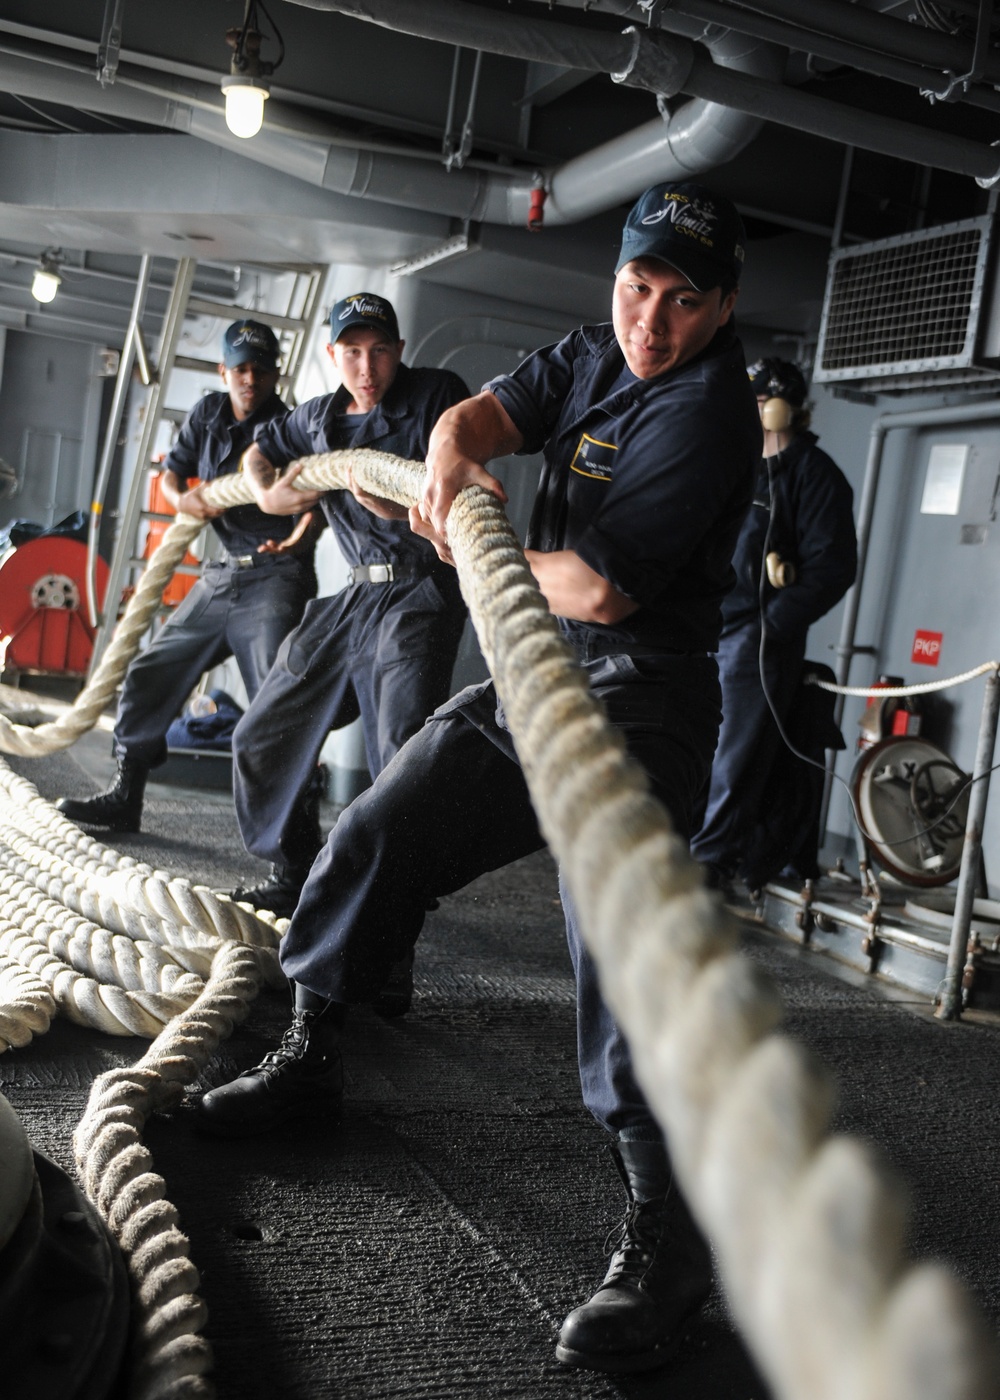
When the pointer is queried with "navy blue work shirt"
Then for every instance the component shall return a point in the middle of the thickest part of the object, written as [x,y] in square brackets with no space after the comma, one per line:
[210,444]
[647,480]
[803,510]
[401,424]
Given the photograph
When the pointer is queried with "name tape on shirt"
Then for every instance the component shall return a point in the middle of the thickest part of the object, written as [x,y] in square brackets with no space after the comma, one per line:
[593,458]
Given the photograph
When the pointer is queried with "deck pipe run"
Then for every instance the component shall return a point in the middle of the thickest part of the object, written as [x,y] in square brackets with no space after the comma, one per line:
[669,65]
[699,136]
[729,104]
[865,28]
[950,1003]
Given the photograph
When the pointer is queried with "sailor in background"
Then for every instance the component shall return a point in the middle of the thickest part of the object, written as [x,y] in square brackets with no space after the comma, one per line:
[243,605]
[795,559]
[384,647]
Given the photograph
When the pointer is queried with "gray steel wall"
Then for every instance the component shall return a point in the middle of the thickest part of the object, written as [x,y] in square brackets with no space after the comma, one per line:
[49,408]
[920,575]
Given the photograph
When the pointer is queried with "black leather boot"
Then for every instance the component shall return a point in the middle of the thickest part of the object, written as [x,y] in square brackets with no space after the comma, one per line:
[302,1078]
[660,1274]
[279,893]
[118,809]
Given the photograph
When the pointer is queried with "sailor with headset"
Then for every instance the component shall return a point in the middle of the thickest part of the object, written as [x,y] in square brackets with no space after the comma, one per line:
[795,559]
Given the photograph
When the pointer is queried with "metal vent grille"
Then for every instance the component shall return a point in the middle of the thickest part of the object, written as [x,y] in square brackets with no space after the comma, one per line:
[905,306]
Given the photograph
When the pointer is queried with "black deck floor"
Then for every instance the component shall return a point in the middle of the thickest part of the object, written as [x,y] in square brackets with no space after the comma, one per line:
[431,1245]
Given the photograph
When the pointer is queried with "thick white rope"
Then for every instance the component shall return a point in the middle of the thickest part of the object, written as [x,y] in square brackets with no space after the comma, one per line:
[893,692]
[26,1004]
[115,945]
[807,1226]
[170,1356]
[151,893]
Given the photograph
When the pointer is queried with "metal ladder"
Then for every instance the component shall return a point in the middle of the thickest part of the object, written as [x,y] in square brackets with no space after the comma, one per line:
[294,326]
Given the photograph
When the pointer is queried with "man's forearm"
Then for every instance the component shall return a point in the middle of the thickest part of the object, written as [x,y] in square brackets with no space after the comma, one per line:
[259,472]
[573,589]
[172,488]
[276,492]
[477,429]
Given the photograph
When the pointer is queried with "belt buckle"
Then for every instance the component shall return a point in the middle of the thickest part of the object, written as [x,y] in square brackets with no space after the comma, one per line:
[380,573]
[242,561]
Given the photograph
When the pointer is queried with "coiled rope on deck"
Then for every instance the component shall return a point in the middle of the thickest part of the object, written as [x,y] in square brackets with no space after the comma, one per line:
[171,1356]
[118,946]
[808,1227]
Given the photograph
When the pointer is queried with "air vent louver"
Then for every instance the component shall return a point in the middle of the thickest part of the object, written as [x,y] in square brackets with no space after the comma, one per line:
[904,309]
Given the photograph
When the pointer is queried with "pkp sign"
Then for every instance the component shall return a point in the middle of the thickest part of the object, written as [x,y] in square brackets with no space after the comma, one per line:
[927,647]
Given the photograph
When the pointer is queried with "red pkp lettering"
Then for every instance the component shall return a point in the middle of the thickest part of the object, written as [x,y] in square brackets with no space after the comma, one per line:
[927,647]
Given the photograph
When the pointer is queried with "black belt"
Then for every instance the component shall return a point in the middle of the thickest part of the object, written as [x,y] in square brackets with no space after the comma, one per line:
[381,573]
[253,561]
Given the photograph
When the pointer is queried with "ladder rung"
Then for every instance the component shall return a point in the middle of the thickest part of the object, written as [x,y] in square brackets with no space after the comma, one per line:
[185,362]
[220,308]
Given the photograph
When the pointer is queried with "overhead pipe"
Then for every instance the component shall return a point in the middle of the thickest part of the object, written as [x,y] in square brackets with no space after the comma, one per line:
[663,64]
[669,65]
[879,34]
[795,36]
[931,47]
[696,138]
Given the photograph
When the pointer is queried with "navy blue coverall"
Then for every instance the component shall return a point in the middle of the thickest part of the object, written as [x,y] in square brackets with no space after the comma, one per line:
[383,650]
[648,481]
[243,605]
[802,510]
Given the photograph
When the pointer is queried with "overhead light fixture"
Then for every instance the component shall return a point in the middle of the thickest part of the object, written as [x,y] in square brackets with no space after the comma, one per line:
[246,86]
[245,98]
[45,282]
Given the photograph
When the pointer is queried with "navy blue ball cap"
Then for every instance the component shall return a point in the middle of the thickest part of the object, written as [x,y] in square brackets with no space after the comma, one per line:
[250,342]
[692,228]
[364,309]
[778,379]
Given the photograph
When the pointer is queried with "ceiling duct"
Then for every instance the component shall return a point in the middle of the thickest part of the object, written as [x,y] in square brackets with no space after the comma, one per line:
[917,311]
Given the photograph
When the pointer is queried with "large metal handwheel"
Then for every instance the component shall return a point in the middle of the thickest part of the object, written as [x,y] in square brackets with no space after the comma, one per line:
[913,801]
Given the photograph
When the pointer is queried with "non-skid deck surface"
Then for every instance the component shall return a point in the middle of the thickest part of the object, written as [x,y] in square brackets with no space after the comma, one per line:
[430,1245]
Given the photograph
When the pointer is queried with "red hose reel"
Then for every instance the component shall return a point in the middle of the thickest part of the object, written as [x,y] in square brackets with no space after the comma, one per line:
[43,609]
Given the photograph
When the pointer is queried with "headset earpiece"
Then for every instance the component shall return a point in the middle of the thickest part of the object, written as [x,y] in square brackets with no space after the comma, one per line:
[780,572]
[776,415]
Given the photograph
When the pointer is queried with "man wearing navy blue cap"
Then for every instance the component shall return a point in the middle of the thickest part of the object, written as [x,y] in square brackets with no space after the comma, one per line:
[244,603]
[384,647]
[651,437]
